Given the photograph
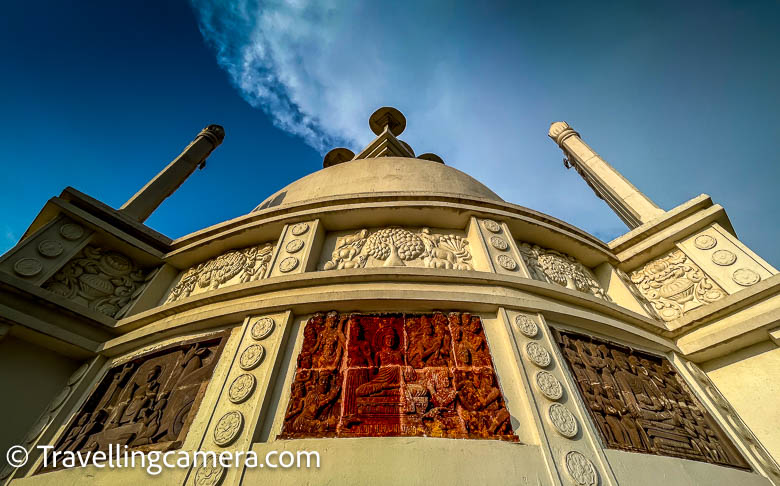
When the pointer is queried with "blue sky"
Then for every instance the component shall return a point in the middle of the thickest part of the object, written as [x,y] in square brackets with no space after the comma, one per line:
[682,98]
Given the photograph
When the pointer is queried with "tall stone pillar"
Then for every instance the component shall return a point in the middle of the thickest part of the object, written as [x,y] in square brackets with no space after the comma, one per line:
[145,201]
[633,207]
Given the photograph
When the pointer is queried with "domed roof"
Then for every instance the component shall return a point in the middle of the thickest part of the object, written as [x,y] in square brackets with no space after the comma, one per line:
[386,165]
[383,174]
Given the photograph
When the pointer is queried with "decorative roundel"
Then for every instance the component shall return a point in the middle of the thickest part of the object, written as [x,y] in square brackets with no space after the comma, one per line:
[300,229]
[71,231]
[745,277]
[59,399]
[697,373]
[563,420]
[28,267]
[209,475]
[506,262]
[38,428]
[50,248]
[241,388]
[491,226]
[581,469]
[294,245]
[251,357]
[262,328]
[498,243]
[704,242]
[228,428]
[537,354]
[549,385]
[288,264]
[723,257]
[526,325]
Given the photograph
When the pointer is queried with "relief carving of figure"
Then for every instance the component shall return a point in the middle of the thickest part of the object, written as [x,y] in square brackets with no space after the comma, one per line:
[481,404]
[470,344]
[640,404]
[314,404]
[144,402]
[429,341]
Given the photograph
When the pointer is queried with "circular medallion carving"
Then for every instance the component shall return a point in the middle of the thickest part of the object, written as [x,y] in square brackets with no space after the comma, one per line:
[50,248]
[262,328]
[228,427]
[241,388]
[38,428]
[526,325]
[28,267]
[549,385]
[300,229]
[581,469]
[59,399]
[288,264]
[506,261]
[491,226]
[76,376]
[537,354]
[294,245]
[71,231]
[723,257]
[563,420]
[498,243]
[746,277]
[697,373]
[704,242]
[715,397]
[209,475]
[251,357]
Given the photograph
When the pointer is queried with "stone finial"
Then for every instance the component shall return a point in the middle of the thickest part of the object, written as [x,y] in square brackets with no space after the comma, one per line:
[388,117]
[560,131]
[337,156]
[215,134]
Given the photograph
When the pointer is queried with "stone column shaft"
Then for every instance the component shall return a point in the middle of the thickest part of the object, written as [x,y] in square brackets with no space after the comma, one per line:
[149,198]
[628,202]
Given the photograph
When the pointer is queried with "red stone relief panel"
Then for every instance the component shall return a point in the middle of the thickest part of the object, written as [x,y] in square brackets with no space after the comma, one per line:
[386,375]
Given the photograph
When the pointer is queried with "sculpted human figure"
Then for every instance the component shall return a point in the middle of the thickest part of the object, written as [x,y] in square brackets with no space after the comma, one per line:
[388,354]
[141,396]
[330,343]
[483,412]
[427,347]
[151,422]
[472,348]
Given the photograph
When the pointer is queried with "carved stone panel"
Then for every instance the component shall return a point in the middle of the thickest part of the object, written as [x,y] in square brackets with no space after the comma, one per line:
[398,247]
[674,285]
[396,375]
[639,403]
[558,268]
[103,280]
[230,268]
[146,403]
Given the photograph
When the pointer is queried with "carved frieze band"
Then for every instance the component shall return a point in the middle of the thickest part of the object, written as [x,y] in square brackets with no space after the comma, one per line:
[675,285]
[398,247]
[230,268]
[561,269]
[103,280]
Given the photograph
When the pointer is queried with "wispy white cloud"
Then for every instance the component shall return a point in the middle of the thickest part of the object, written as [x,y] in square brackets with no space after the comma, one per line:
[319,69]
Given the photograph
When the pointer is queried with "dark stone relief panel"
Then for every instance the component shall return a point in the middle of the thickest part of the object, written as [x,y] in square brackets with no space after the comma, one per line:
[396,375]
[147,403]
[640,404]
